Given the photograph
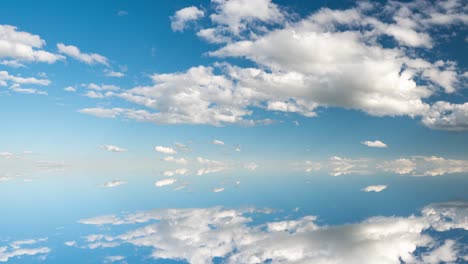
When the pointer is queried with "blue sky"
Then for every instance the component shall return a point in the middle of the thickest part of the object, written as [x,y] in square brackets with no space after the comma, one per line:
[137,131]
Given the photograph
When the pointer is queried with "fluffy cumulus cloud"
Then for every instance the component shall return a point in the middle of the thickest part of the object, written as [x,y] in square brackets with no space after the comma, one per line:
[448,116]
[185,15]
[330,58]
[88,58]
[201,235]
[20,46]
[374,144]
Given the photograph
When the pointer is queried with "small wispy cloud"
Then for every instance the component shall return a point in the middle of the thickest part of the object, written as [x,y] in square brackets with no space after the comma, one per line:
[374,144]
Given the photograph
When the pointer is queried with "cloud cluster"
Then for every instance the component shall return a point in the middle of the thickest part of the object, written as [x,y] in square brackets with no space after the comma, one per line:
[425,166]
[21,248]
[20,46]
[331,58]
[200,235]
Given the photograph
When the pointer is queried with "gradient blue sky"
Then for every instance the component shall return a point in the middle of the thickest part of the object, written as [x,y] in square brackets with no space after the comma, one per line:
[353,112]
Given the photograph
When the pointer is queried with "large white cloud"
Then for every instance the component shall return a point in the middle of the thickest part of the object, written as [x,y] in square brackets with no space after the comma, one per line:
[200,235]
[331,58]
[21,46]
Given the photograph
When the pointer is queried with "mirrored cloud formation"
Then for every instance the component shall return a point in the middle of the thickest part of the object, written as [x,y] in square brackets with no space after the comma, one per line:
[200,235]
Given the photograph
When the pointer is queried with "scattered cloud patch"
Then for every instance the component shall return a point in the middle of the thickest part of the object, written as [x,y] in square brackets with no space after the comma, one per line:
[375,188]
[183,16]
[374,144]
[70,89]
[112,184]
[175,160]
[165,150]
[170,173]
[88,58]
[165,182]
[113,148]
[218,142]
[217,190]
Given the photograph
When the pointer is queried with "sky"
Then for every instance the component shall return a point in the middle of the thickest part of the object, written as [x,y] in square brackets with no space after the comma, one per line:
[234,131]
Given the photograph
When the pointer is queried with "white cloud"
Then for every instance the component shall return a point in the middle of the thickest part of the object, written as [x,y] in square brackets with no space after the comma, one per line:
[331,58]
[88,58]
[181,171]
[165,150]
[217,190]
[103,87]
[400,166]
[7,155]
[375,188]
[19,243]
[175,160]
[374,144]
[5,178]
[240,15]
[447,116]
[343,166]
[113,148]
[112,184]
[231,235]
[102,112]
[251,166]
[207,170]
[18,89]
[5,76]
[70,243]
[114,258]
[310,166]
[447,253]
[16,249]
[6,255]
[165,182]
[70,89]
[23,46]
[94,94]
[425,166]
[218,142]
[182,16]
[115,74]
[12,63]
